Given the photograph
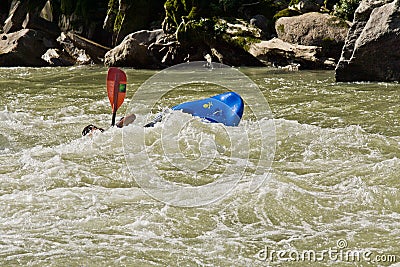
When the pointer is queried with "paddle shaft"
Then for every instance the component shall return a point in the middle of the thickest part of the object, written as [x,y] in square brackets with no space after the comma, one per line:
[116,87]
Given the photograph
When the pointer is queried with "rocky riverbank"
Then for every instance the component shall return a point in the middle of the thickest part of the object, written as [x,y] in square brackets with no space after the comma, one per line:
[297,36]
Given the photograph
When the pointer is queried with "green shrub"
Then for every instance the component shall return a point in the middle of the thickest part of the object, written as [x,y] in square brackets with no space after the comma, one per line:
[195,32]
[294,2]
[345,9]
[329,4]
[241,42]
[175,10]
[286,13]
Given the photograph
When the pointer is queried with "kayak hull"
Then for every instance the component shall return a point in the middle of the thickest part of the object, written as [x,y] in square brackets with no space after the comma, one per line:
[226,108]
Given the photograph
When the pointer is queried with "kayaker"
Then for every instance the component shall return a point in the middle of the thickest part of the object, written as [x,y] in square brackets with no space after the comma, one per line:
[90,129]
[124,121]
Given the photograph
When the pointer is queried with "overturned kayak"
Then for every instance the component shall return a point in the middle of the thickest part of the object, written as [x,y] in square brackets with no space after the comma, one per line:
[226,108]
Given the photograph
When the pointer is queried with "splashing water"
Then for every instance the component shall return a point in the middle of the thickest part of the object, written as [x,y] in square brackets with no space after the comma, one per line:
[72,200]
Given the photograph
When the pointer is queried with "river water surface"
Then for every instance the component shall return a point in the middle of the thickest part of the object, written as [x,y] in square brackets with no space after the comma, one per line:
[332,197]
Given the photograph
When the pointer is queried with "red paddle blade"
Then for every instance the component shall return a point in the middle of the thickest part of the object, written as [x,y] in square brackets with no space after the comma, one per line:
[116,87]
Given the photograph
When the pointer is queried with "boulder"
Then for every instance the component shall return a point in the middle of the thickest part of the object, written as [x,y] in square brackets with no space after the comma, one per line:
[371,49]
[24,48]
[147,37]
[134,51]
[279,53]
[233,55]
[94,51]
[56,57]
[314,29]
[79,55]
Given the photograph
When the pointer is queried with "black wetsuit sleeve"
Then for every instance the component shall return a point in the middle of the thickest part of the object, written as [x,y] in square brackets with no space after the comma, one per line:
[158,118]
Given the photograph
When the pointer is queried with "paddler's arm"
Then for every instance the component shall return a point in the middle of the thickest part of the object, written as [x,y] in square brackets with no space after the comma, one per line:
[158,118]
[124,121]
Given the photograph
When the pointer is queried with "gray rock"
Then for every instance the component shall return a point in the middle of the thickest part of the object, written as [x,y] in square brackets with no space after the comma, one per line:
[80,56]
[80,48]
[132,52]
[371,51]
[146,49]
[314,29]
[146,37]
[56,57]
[233,56]
[24,48]
[279,53]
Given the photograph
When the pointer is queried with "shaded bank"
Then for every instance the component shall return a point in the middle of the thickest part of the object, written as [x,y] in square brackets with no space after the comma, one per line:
[237,33]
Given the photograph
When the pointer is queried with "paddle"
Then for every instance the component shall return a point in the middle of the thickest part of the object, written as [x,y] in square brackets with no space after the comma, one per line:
[116,88]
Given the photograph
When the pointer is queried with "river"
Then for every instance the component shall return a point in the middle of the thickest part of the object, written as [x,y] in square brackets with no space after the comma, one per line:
[325,158]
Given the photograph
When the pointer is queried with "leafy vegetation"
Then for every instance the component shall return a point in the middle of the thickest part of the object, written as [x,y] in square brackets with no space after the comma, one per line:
[179,10]
[194,32]
[286,13]
[345,9]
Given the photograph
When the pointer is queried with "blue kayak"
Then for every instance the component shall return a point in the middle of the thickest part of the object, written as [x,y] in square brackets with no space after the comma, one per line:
[226,108]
